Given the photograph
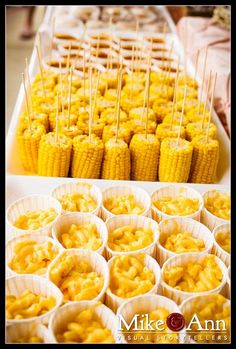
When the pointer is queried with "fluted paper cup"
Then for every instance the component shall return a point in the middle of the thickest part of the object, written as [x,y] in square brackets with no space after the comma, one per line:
[181,224]
[26,330]
[146,304]
[68,312]
[182,260]
[175,191]
[113,301]
[228,283]
[79,188]
[217,249]
[31,203]
[187,305]
[30,236]
[64,223]
[39,285]
[140,195]
[97,262]
[207,218]
[135,221]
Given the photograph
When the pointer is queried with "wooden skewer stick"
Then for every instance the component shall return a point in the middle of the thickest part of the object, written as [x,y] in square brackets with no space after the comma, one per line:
[62,90]
[182,114]
[211,106]
[203,80]
[57,121]
[69,95]
[163,54]
[148,90]
[185,48]
[145,90]
[169,56]
[97,48]
[96,91]
[196,66]
[132,71]
[41,70]
[40,44]
[53,32]
[28,78]
[118,103]
[90,103]
[206,100]
[27,103]
[84,77]
[68,64]
[175,96]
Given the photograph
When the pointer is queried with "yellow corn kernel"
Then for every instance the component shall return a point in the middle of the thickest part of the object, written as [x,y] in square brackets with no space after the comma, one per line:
[42,118]
[175,119]
[103,103]
[97,127]
[133,89]
[71,131]
[175,160]
[191,93]
[138,126]
[54,156]
[187,80]
[87,157]
[144,153]
[127,103]
[108,116]
[162,107]
[62,119]
[205,160]
[166,131]
[109,132]
[140,114]
[116,163]
[197,129]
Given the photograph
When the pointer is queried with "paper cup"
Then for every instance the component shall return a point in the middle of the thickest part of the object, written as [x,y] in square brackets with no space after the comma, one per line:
[136,221]
[26,330]
[64,223]
[16,285]
[228,284]
[80,188]
[140,195]
[31,203]
[181,260]
[11,244]
[146,304]
[187,305]
[217,249]
[68,312]
[113,301]
[97,262]
[207,218]
[169,226]
[175,191]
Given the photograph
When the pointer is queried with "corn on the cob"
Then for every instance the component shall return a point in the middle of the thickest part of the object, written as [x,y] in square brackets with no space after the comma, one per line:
[110,79]
[62,120]
[28,145]
[101,84]
[133,89]
[166,131]
[45,107]
[204,161]
[41,118]
[84,95]
[185,79]
[111,94]
[127,103]
[175,119]
[138,77]
[162,91]
[189,105]
[196,129]
[39,94]
[190,94]
[70,132]
[144,157]
[103,103]
[162,107]
[64,89]
[140,114]
[97,127]
[138,126]
[175,160]
[109,132]
[108,116]
[54,156]
[116,163]
[152,98]
[76,81]
[159,79]
[87,157]
[194,116]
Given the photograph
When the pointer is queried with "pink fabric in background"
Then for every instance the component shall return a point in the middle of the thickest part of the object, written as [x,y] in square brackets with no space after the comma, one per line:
[200,33]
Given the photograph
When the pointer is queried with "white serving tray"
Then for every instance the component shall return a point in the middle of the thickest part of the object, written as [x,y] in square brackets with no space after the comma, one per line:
[14,166]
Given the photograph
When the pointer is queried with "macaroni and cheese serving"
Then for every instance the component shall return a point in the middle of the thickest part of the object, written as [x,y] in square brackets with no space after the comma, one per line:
[33,220]
[31,257]
[177,206]
[78,202]
[181,242]
[81,236]
[27,305]
[123,204]
[218,204]
[223,239]
[85,328]
[129,277]
[76,279]
[129,238]
[194,277]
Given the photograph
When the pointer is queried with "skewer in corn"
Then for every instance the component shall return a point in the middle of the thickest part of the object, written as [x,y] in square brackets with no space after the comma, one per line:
[53,32]
[205,154]
[211,107]
[203,80]
[61,90]
[29,84]
[182,114]
[69,96]
[196,66]
[206,100]
[175,157]
[163,54]
[41,71]
[166,74]
[132,71]
[174,96]
[68,64]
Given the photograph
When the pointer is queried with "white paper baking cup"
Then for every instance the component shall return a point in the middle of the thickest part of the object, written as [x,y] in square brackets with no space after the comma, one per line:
[207,218]
[40,239]
[80,188]
[31,203]
[68,312]
[228,283]
[97,262]
[113,301]
[64,223]
[146,304]
[187,304]
[140,195]
[217,249]
[175,191]
[25,330]
[16,285]
[181,260]
[181,224]
[135,221]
